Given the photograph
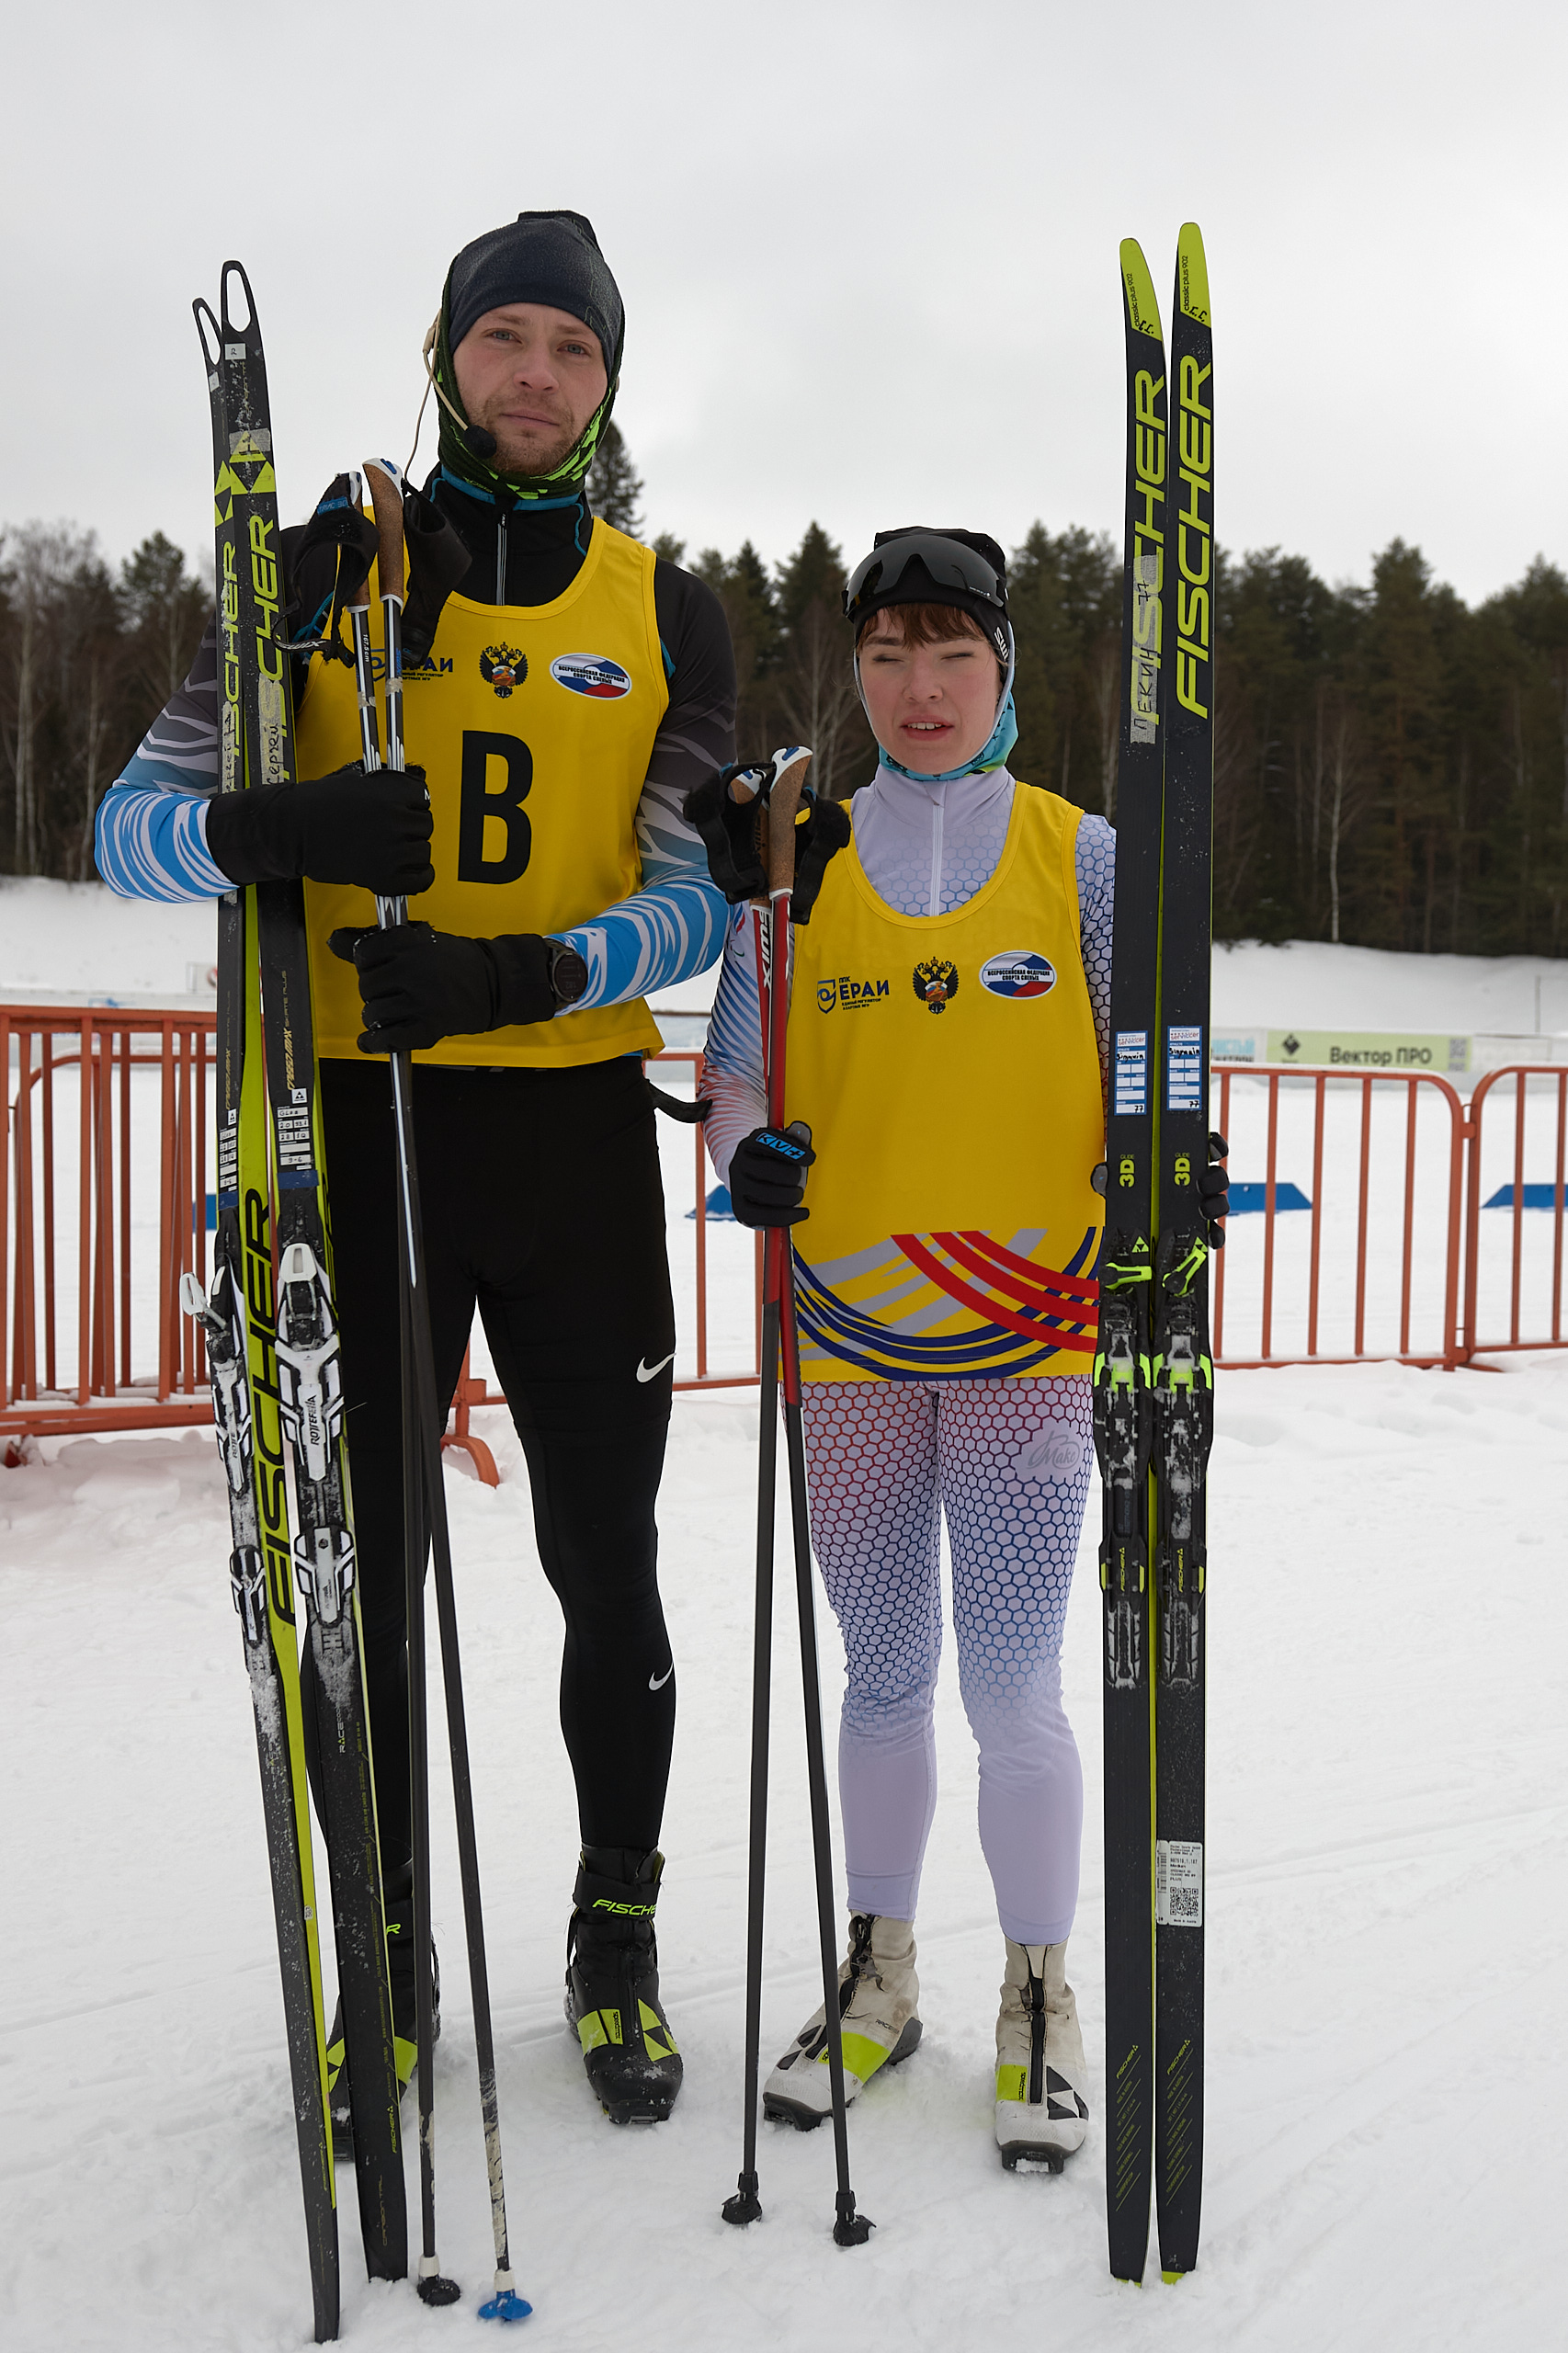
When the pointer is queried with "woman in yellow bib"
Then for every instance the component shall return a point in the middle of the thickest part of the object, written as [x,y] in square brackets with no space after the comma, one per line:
[946,1050]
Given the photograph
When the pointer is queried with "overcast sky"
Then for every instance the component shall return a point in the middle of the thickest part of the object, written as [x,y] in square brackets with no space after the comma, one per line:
[867,249]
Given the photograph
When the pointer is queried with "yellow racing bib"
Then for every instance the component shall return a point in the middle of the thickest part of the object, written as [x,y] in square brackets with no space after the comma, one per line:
[947,1068]
[534,725]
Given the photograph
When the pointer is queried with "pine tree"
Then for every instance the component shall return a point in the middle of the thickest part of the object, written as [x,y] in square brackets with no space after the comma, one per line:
[614,483]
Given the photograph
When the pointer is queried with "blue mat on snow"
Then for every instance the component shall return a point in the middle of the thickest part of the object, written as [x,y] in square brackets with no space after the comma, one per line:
[1245,1199]
[1537,1197]
[718,1206]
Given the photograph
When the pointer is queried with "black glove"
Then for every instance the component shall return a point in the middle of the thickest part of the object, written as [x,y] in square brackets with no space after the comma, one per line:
[418,986]
[347,827]
[732,834]
[825,829]
[1213,1190]
[767,1175]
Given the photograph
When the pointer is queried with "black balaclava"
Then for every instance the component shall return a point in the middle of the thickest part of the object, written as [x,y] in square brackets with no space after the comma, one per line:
[548,257]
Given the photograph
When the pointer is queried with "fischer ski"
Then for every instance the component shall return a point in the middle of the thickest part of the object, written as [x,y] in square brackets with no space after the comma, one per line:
[292,1338]
[236,1320]
[1122,1400]
[1182,1371]
[1154,1377]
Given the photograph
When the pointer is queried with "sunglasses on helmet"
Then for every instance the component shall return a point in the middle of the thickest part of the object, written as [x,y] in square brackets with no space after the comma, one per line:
[948,563]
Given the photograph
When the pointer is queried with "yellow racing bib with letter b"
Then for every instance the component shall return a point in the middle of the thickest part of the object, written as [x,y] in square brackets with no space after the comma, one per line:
[534,725]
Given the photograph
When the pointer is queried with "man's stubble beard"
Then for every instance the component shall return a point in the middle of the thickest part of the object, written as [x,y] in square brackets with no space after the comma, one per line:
[528,454]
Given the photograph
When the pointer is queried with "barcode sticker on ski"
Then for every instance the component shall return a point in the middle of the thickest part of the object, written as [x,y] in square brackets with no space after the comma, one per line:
[1179,1883]
[1131,1072]
[1184,1068]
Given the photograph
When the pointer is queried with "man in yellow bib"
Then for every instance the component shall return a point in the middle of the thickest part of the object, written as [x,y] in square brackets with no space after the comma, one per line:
[568,692]
[949,1022]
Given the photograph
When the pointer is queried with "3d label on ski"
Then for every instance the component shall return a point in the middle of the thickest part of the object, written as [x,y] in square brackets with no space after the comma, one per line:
[292,1332]
[1122,1399]
[1182,1371]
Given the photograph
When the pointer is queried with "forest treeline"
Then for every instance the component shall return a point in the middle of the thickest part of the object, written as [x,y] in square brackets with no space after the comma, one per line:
[1391,765]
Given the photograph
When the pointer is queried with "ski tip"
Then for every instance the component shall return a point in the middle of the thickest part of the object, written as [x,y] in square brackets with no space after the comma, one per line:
[1137,291]
[1192,274]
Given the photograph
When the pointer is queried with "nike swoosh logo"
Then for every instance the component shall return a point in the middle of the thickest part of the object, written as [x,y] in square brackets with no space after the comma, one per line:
[648,1371]
[657,1683]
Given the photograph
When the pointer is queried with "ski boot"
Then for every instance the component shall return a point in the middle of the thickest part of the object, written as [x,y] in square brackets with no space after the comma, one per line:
[405,2048]
[877,1995]
[612,1985]
[1042,2114]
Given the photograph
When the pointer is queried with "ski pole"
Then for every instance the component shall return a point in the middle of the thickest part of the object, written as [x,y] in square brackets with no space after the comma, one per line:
[849,2228]
[746,2205]
[506,2304]
[433,2289]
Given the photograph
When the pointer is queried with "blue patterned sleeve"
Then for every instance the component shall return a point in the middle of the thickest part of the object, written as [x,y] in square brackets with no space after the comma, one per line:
[1095,863]
[731,1066]
[151,831]
[669,929]
[150,843]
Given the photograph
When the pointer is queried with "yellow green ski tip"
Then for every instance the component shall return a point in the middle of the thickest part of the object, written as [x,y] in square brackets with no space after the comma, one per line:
[1192,273]
[1142,309]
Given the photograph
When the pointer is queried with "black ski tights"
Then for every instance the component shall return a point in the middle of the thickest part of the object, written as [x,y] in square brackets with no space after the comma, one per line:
[543,1206]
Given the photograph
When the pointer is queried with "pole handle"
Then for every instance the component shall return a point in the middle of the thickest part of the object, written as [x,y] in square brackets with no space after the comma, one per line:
[783,806]
[386,499]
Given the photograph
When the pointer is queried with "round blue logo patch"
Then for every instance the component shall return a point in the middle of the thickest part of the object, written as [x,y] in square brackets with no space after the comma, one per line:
[1021,974]
[591,673]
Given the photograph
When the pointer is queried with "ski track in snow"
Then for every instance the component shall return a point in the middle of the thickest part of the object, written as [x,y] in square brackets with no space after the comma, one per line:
[1387,1927]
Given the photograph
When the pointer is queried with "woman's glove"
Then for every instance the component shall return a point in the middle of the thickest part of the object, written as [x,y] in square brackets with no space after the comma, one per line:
[418,986]
[733,833]
[767,1175]
[1214,1190]
[373,831]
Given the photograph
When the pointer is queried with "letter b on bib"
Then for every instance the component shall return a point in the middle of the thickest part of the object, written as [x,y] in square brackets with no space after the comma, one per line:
[503,805]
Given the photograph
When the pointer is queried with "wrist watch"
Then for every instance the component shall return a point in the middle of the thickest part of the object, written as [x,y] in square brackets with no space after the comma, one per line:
[567,972]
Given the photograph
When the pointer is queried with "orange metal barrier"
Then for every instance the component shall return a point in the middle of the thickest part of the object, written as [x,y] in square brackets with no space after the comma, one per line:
[110,1108]
[70,1081]
[1526,1240]
[1393,1301]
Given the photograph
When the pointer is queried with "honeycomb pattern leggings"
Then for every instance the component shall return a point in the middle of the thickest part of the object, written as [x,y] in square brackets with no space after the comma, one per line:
[1008,1462]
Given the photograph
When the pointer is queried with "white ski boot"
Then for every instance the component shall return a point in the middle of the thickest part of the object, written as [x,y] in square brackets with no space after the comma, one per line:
[1042,2114]
[878,1991]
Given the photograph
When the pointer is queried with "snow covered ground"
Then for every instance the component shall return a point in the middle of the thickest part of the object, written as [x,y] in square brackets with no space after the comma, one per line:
[78,937]
[1388,2092]
[1388,1925]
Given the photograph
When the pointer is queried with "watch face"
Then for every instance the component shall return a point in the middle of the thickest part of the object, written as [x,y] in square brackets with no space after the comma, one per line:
[568,975]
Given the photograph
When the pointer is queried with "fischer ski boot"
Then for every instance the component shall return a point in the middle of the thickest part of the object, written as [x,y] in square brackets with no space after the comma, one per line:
[405,2048]
[612,1985]
[877,1997]
[1042,2114]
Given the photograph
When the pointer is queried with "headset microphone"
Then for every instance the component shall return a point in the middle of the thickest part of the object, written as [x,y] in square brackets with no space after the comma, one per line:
[475,437]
